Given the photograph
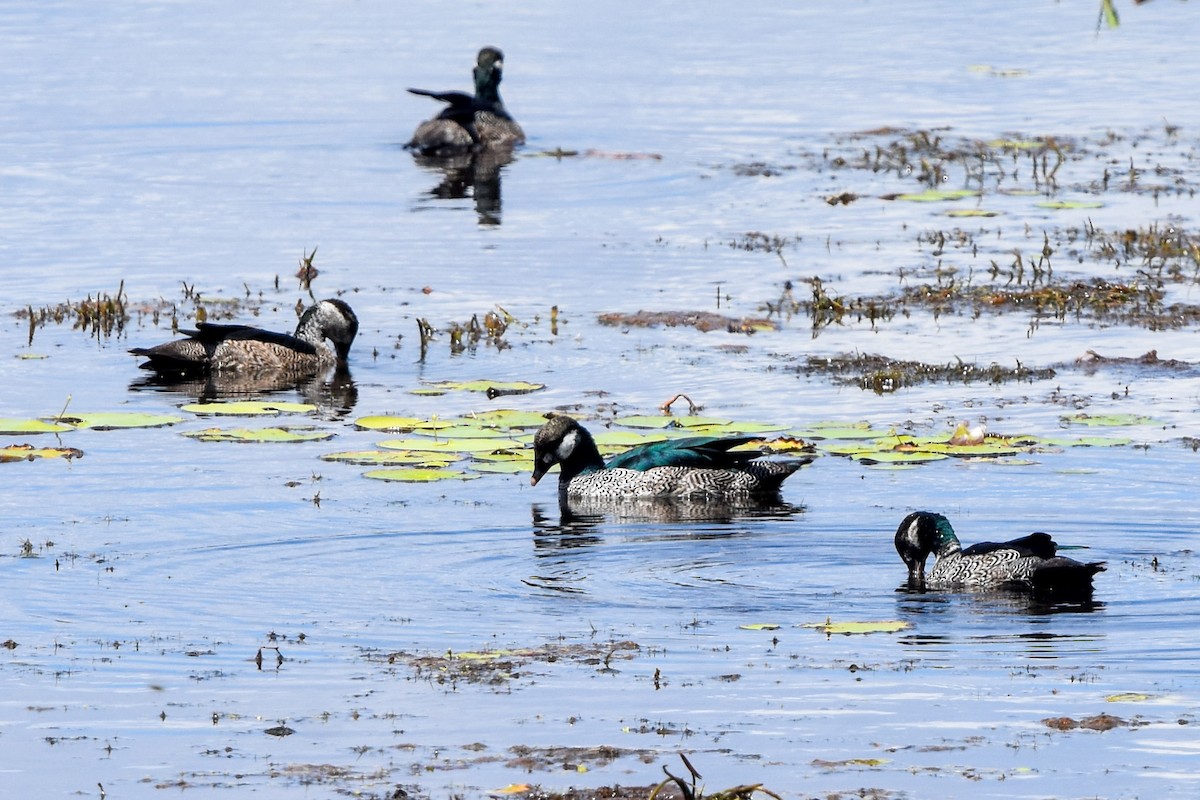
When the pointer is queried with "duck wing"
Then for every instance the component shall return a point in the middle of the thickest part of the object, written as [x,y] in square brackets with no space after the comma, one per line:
[460,106]
[210,333]
[1039,545]
[699,452]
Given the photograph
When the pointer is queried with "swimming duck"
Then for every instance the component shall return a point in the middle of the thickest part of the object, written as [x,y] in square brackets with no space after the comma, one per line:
[470,122]
[1029,563]
[241,348]
[696,466]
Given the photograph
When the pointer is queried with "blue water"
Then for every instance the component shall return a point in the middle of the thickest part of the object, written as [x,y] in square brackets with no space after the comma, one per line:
[160,145]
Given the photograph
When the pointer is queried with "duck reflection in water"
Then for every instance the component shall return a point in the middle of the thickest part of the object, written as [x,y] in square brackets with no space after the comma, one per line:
[474,174]
[580,520]
[333,391]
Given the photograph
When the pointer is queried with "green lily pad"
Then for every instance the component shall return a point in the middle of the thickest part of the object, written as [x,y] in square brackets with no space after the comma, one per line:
[24,427]
[505,387]
[390,458]
[524,456]
[417,475]
[610,442]
[32,356]
[938,195]
[459,431]
[428,392]
[986,448]
[646,421]
[112,420]
[829,627]
[27,452]
[1110,420]
[972,212]
[509,418]
[297,434]
[900,457]
[843,430]
[760,626]
[249,408]
[736,429]
[388,423]
[1128,697]
[502,467]
[449,445]
[1063,205]
[1083,441]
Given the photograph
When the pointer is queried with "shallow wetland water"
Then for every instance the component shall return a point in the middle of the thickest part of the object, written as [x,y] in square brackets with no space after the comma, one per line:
[845,224]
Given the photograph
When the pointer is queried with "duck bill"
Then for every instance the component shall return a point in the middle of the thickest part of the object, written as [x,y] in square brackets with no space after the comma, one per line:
[538,472]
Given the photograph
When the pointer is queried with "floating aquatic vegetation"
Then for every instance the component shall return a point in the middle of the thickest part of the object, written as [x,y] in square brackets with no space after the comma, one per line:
[492,389]
[391,424]
[113,420]
[1069,205]
[1109,420]
[883,375]
[273,435]
[25,427]
[705,321]
[418,475]
[248,408]
[829,627]
[27,452]
[502,666]
[391,458]
[101,316]
[463,446]
[935,195]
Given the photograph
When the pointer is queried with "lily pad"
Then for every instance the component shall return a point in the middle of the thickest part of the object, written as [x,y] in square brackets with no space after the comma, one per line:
[449,445]
[1111,420]
[459,431]
[1083,441]
[900,457]
[24,427]
[1066,205]
[388,423]
[390,457]
[417,475]
[298,434]
[112,420]
[646,421]
[249,408]
[509,418]
[611,441]
[829,627]
[1128,697]
[27,452]
[504,387]
[972,212]
[842,430]
[938,195]
[502,467]
[760,626]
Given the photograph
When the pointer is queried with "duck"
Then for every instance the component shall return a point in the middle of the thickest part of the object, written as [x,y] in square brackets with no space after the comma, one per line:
[1030,563]
[695,466]
[215,349]
[470,122]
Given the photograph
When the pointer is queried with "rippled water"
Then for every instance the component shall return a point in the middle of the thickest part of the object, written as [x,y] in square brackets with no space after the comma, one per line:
[163,145]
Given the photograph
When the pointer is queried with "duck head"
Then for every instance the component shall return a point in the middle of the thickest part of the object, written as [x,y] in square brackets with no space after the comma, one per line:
[920,534]
[330,319]
[563,441]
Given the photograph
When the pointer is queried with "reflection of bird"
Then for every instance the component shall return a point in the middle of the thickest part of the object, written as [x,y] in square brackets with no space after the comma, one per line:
[697,466]
[470,121]
[1027,563]
[241,348]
